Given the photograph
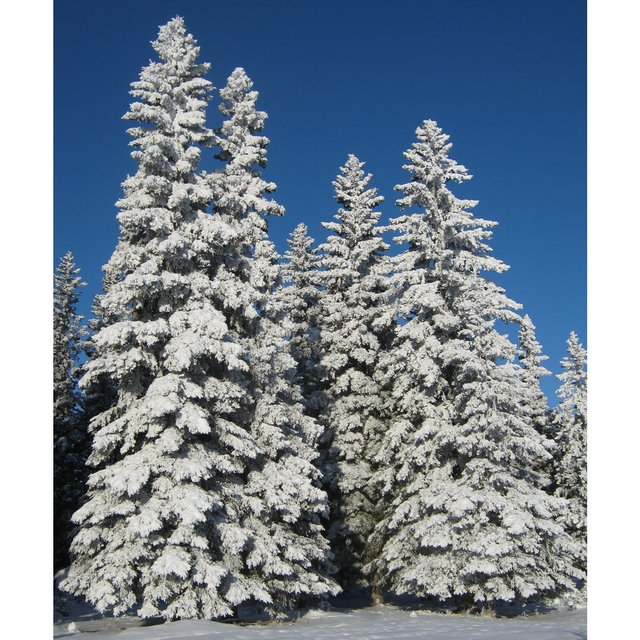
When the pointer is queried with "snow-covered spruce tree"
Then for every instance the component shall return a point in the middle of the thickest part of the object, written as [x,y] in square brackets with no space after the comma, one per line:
[353,326]
[162,529]
[70,438]
[531,358]
[468,521]
[301,296]
[569,423]
[534,401]
[288,549]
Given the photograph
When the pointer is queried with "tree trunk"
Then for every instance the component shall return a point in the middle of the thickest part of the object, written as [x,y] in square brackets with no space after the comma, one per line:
[376,595]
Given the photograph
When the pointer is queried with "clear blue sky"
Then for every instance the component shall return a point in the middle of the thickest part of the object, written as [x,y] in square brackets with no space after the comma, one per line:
[506,79]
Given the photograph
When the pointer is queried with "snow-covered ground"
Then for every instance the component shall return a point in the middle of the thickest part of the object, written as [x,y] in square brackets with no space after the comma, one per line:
[383,622]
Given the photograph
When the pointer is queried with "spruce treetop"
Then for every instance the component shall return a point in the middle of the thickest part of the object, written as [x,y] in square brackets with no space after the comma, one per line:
[68,333]
[300,270]
[353,192]
[445,236]
[356,218]
[574,376]
[166,191]
[172,94]
[301,254]
[237,139]
[178,47]
[431,166]
[239,190]
[67,283]
[530,351]
[353,252]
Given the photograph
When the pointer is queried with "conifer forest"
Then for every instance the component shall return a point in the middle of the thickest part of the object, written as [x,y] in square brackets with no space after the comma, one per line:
[362,414]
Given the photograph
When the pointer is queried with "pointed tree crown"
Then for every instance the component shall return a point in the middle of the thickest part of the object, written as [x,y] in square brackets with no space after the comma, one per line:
[239,191]
[171,98]
[300,256]
[356,246]
[445,236]
[356,217]
[530,351]
[573,390]
[237,139]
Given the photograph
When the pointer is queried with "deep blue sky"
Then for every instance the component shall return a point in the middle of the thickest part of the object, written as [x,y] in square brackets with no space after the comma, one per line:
[507,81]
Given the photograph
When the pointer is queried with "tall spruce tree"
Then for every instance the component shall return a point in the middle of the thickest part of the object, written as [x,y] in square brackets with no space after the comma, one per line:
[162,527]
[531,358]
[178,522]
[467,520]
[351,317]
[301,295]
[569,423]
[70,438]
[289,548]
[534,401]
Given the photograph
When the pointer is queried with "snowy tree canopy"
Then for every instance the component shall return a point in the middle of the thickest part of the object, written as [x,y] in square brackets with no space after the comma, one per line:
[467,519]
[291,548]
[573,390]
[240,193]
